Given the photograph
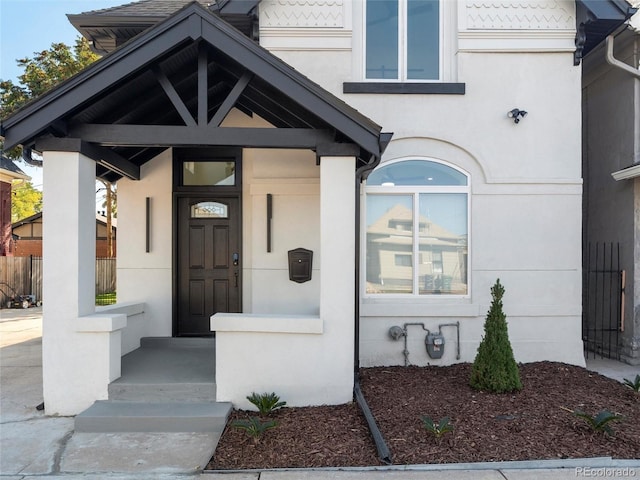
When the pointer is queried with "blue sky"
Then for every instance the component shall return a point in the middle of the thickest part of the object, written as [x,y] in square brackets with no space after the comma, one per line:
[28,26]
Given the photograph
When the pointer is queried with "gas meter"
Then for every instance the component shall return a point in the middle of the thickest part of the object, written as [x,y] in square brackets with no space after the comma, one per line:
[435,345]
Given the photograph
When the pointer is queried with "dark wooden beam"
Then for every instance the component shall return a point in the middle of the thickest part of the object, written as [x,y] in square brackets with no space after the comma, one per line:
[112,161]
[181,136]
[55,144]
[203,86]
[177,102]
[59,127]
[231,99]
[334,149]
[102,156]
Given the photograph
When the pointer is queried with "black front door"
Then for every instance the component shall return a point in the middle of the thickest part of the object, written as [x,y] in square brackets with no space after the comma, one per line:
[208,261]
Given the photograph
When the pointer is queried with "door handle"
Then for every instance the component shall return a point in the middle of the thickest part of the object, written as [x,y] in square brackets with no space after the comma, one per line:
[236,259]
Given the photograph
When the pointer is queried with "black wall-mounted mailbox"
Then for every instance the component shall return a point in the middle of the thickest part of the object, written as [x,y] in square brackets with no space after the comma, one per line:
[300,264]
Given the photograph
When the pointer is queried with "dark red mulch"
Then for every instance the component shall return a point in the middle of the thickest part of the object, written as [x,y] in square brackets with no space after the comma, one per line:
[527,425]
[305,437]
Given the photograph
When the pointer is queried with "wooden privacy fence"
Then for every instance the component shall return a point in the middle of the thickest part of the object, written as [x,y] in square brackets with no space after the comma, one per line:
[23,275]
[20,276]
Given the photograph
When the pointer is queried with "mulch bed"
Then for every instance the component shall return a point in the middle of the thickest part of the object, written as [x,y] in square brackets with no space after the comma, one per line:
[528,425]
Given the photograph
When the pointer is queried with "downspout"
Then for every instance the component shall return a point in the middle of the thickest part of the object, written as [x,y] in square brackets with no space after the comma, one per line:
[27,156]
[614,62]
[611,60]
[361,174]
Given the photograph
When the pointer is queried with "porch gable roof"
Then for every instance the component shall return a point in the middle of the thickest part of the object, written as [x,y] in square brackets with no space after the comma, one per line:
[182,77]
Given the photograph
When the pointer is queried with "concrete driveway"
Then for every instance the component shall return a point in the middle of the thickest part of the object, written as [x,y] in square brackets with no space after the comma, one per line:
[31,441]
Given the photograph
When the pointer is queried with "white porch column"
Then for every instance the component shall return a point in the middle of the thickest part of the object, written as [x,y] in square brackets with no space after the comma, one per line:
[69,223]
[72,378]
[305,359]
[337,266]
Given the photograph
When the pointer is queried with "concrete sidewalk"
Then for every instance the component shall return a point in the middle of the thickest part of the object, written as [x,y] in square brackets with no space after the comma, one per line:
[33,445]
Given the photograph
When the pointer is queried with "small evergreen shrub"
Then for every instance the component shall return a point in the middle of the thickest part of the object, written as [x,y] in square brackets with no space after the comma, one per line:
[494,368]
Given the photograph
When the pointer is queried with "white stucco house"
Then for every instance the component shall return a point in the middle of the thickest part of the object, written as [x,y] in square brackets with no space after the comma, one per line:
[299,177]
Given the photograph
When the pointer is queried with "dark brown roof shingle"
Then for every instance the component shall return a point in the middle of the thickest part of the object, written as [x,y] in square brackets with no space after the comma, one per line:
[147,8]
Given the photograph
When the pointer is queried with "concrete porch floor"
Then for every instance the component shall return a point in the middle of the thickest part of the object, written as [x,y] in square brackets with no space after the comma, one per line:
[170,360]
[168,369]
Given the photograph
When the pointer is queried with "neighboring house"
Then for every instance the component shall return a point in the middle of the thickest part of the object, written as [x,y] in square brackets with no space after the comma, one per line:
[27,234]
[9,171]
[244,207]
[611,165]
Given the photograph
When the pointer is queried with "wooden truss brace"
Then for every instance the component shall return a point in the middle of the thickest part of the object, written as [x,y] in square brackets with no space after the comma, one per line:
[203,107]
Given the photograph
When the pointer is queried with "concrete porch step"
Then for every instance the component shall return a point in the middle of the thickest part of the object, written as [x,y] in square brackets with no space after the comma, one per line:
[166,385]
[167,392]
[166,369]
[109,416]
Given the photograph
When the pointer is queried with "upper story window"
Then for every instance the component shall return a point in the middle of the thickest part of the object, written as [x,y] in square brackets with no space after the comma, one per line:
[417,229]
[403,40]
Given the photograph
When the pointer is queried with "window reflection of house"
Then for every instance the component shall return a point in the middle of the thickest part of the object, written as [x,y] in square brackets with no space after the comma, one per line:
[417,224]
[442,255]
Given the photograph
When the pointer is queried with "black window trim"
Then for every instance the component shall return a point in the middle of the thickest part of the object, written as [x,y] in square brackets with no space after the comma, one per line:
[435,88]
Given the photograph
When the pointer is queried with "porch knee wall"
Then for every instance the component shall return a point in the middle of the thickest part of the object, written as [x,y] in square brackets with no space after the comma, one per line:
[76,355]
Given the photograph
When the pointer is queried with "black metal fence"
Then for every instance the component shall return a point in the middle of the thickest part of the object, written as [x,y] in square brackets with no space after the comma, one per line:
[23,276]
[602,313]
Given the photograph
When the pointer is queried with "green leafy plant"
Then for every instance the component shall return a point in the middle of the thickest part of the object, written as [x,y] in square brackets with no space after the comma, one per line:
[106,298]
[494,368]
[254,427]
[634,385]
[266,403]
[439,428]
[599,422]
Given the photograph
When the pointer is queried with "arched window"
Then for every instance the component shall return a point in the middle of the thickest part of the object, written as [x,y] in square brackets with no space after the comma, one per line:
[417,229]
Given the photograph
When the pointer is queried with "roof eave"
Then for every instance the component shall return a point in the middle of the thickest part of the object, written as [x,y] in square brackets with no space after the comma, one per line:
[80,21]
[628,173]
[595,20]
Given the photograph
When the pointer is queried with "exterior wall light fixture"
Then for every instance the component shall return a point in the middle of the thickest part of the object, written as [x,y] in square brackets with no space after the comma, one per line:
[516,113]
